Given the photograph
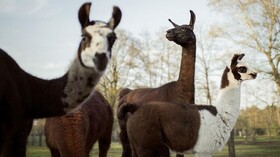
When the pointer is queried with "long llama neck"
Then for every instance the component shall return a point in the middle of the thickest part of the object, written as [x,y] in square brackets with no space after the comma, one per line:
[228,100]
[57,96]
[186,78]
[216,129]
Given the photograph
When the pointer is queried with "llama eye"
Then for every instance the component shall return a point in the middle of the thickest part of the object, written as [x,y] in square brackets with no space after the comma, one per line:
[242,69]
[84,38]
[111,38]
[182,29]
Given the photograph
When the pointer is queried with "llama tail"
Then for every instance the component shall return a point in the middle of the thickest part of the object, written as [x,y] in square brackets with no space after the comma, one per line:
[123,92]
[126,108]
[122,103]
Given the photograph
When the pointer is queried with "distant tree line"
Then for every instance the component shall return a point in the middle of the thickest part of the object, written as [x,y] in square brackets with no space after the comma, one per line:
[255,121]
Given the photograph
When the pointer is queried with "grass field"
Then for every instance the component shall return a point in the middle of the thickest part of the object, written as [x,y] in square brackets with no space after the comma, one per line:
[261,148]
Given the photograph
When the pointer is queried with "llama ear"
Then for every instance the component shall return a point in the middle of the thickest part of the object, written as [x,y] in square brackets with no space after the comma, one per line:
[116,17]
[174,24]
[192,20]
[235,58]
[84,14]
[241,56]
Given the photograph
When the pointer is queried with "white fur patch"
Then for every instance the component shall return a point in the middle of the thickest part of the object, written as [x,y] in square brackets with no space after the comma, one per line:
[76,87]
[99,43]
[214,131]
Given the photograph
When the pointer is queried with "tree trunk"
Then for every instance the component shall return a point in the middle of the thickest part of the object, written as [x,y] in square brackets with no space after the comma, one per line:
[33,139]
[231,145]
[40,138]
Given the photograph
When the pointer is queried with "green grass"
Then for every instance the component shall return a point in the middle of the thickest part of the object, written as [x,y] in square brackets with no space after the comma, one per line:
[260,148]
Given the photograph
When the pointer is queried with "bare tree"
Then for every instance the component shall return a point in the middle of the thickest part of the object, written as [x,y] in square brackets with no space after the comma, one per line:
[121,66]
[159,59]
[206,70]
[38,130]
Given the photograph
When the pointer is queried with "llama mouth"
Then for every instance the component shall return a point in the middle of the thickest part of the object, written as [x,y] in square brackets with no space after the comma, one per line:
[169,36]
[254,75]
[100,61]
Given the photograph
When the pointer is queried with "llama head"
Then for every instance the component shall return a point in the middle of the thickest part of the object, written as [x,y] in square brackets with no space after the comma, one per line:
[182,35]
[237,71]
[97,38]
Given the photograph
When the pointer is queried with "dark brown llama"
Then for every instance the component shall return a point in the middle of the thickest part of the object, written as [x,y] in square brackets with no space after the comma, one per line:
[179,92]
[24,97]
[184,128]
[74,134]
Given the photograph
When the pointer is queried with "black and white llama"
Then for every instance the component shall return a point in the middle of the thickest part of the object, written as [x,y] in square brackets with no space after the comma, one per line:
[184,128]
[24,97]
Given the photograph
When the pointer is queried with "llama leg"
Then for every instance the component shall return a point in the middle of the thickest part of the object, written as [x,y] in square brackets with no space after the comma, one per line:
[144,152]
[2,137]
[164,152]
[13,147]
[147,153]
[104,145]
[125,143]
[18,141]
[133,151]
[54,152]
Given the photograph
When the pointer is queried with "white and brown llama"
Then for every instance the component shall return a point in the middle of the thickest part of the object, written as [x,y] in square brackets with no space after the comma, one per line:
[24,97]
[154,125]
[181,91]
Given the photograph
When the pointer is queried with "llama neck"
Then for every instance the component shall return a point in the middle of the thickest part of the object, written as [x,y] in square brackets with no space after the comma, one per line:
[216,129]
[80,83]
[186,78]
[228,100]
[57,96]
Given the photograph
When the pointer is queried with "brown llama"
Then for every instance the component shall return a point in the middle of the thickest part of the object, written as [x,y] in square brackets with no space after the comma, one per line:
[24,97]
[181,91]
[185,128]
[74,134]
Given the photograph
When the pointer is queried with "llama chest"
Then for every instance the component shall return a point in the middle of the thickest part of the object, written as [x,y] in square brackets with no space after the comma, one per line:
[214,132]
[79,86]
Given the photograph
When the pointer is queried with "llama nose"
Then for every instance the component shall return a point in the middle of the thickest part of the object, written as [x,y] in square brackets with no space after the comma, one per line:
[100,61]
[254,75]
[169,35]
[100,56]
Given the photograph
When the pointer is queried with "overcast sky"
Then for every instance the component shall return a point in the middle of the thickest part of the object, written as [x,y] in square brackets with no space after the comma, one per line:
[43,35]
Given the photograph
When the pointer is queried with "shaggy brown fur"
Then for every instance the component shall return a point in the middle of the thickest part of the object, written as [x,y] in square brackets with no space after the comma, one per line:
[178,92]
[74,134]
[162,118]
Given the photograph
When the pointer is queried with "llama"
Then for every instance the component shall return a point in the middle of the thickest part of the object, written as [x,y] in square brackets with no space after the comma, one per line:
[179,92]
[74,134]
[154,125]
[24,97]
